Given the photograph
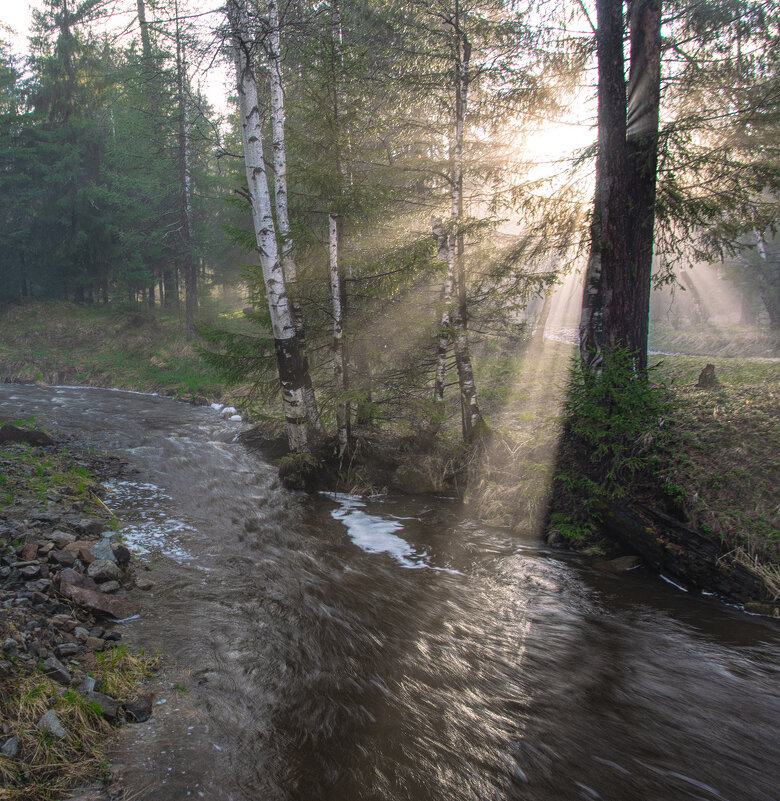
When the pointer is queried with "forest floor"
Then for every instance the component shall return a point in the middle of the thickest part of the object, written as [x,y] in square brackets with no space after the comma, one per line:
[714,463]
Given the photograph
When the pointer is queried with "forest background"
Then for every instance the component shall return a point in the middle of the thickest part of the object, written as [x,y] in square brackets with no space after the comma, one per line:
[429,179]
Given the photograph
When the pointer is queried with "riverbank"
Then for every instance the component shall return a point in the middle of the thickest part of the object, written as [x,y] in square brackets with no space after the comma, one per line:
[711,464]
[66,679]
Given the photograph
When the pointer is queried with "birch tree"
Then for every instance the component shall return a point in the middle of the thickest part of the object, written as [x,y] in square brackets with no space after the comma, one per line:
[290,363]
[273,49]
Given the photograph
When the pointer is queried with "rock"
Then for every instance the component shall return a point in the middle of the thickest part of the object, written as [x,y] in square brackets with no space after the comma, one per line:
[72,576]
[102,550]
[81,550]
[620,565]
[121,554]
[90,526]
[30,572]
[110,586]
[46,548]
[95,643]
[10,647]
[29,551]
[97,602]
[9,433]
[87,685]
[139,709]
[144,584]
[62,538]
[707,378]
[80,634]
[50,723]
[108,705]
[56,671]
[10,747]
[103,570]
[63,558]
[66,649]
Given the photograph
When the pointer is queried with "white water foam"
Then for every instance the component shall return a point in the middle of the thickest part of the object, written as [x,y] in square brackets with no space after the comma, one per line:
[374,534]
[155,532]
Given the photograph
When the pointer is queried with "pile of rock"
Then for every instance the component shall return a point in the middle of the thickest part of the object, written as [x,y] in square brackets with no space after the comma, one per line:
[64,580]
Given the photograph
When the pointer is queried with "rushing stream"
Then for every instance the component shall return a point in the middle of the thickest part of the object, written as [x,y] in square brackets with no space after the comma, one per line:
[337,648]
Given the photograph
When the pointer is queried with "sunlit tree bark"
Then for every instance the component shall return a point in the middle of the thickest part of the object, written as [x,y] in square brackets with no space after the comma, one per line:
[470,414]
[615,308]
[440,235]
[336,290]
[289,362]
[279,148]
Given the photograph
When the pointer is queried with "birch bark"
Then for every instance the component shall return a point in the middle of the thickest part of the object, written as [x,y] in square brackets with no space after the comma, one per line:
[342,416]
[290,364]
[442,254]
[470,414]
[279,148]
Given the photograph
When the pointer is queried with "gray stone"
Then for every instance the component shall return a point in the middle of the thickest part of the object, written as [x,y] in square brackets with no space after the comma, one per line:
[90,526]
[102,550]
[10,647]
[144,584]
[64,558]
[87,685]
[108,705]
[66,649]
[50,723]
[97,602]
[80,633]
[110,586]
[62,538]
[55,670]
[10,747]
[104,570]
[30,572]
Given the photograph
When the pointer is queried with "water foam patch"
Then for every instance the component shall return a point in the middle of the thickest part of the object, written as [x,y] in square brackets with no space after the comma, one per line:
[375,534]
[151,529]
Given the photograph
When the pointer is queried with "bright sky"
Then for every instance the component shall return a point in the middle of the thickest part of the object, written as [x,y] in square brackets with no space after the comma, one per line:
[213,77]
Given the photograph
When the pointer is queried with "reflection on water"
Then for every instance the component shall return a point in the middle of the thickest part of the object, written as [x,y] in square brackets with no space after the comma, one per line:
[317,666]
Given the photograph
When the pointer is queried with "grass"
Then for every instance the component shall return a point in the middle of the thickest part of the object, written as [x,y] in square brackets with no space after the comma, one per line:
[117,670]
[130,347]
[721,466]
[47,766]
[28,471]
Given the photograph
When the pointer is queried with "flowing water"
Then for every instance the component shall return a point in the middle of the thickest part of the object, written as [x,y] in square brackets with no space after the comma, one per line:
[336,648]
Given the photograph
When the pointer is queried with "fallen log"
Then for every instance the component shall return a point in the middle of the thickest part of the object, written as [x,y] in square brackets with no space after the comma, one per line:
[681,553]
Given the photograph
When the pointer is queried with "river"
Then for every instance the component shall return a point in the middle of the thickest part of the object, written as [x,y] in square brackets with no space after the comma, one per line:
[336,648]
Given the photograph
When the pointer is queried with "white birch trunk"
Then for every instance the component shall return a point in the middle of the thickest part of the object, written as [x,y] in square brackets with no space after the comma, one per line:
[338,334]
[287,352]
[470,414]
[440,235]
[289,267]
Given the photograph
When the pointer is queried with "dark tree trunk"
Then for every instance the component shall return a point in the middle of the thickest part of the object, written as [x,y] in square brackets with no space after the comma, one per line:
[616,300]
[644,97]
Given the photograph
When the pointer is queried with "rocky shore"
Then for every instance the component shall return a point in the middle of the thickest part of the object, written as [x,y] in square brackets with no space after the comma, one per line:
[65,677]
